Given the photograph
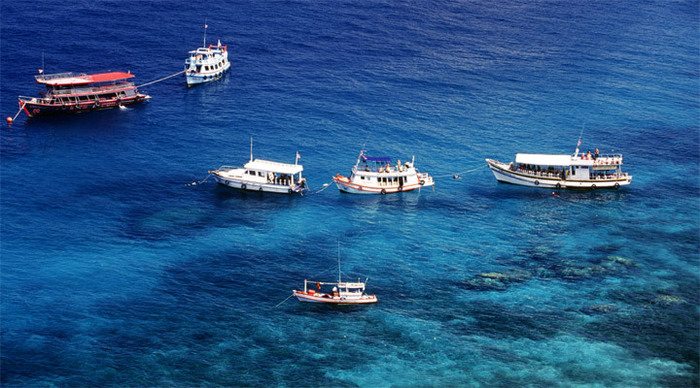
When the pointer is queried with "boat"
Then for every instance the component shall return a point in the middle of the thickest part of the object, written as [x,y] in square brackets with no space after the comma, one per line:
[264,176]
[378,175]
[207,63]
[342,293]
[80,92]
[577,171]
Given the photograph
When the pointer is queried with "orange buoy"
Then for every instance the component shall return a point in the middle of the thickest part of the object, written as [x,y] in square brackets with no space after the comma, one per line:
[9,120]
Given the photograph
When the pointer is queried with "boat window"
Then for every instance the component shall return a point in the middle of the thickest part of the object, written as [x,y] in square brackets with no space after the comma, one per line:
[260,173]
[251,173]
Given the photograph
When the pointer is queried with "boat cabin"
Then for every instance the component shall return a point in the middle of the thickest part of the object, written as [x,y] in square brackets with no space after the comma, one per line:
[265,171]
[568,167]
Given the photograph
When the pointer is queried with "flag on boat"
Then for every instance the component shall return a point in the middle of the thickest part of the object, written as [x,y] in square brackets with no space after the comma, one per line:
[578,144]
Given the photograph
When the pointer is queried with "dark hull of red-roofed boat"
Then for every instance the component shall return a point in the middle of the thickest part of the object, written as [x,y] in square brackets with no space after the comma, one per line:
[33,109]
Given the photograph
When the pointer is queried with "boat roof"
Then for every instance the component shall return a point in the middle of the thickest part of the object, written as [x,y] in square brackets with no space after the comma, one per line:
[380,159]
[270,166]
[552,160]
[67,79]
[350,285]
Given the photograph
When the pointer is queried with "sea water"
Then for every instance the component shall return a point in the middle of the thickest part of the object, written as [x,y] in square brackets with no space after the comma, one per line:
[115,270]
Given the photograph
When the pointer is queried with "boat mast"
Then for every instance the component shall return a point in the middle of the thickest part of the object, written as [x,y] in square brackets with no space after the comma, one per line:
[251,148]
[205,32]
[338,263]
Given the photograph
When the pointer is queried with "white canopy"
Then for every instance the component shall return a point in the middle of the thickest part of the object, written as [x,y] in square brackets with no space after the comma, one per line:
[551,160]
[269,166]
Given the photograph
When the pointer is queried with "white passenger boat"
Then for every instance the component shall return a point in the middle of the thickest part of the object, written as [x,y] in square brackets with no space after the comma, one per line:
[207,63]
[263,175]
[377,175]
[575,171]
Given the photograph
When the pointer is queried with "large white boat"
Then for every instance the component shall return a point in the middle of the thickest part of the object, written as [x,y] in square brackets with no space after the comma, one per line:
[575,171]
[378,175]
[263,175]
[207,63]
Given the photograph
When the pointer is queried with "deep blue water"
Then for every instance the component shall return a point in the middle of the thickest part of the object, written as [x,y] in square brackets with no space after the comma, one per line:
[113,271]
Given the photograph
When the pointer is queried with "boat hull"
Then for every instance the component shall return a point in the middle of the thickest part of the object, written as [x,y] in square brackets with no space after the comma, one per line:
[502,173]
[193,79]
[35,107]
[303,297]
[346,186]
[259,187]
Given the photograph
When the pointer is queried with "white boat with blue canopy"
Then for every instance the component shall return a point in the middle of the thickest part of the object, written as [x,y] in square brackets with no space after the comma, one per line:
[584,171]
[263,176]
[379,175]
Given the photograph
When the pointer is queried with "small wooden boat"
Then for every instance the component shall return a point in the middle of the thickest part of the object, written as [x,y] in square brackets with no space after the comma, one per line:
[342,293]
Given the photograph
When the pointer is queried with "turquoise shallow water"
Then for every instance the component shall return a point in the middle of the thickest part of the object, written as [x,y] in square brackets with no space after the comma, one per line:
[114,271]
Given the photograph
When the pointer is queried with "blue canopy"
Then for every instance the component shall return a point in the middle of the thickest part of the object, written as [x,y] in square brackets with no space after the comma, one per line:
[379,159]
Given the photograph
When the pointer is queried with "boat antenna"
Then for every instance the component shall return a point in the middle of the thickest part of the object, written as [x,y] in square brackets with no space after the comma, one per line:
[338,260]
[205,32]
[41,71]
[578,143]
[251,148]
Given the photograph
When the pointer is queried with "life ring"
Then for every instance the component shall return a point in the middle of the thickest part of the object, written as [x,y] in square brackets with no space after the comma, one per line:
[243,186]
[617,185]
[382,192]
[422,182]
[537,183]
[290,191]
[558,185]
[593,186]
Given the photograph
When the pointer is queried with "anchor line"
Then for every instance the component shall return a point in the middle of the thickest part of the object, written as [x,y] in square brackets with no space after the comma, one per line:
[19,111]
[195,183]
[161,79]
[280,303]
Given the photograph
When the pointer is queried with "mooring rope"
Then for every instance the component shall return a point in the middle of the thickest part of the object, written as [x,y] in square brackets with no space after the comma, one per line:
[457,175]
[162,79]
[323,187]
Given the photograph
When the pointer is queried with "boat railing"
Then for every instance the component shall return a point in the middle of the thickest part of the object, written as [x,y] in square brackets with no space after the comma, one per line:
[92,90]
[47,77]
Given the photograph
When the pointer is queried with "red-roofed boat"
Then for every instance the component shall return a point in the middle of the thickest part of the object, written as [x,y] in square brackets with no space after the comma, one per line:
[76,93]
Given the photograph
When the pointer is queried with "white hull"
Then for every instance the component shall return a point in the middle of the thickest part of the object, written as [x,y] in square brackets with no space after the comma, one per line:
[256,186]
[365,299]
[200,78]
[352,188]
[503,174]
